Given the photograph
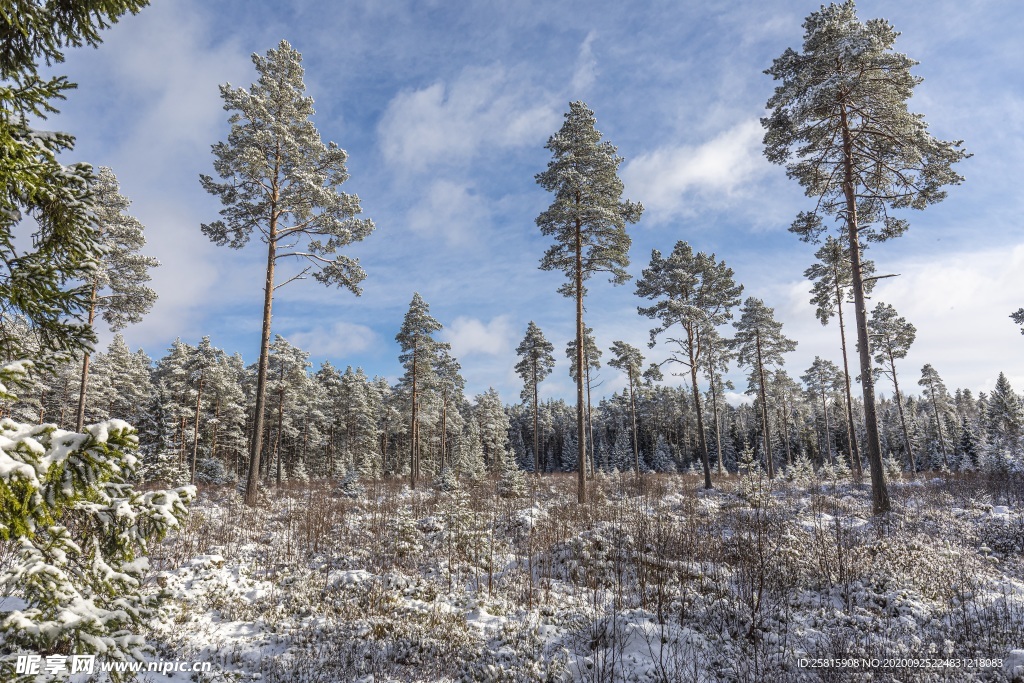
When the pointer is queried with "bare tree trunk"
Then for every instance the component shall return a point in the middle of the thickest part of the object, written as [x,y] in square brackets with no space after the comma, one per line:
[413,430]
[851,433]
[701,437]
[879,490]
[714,408]
[828,440]
[590,421]
[769,460]
[581,451]
[536,421]
[632,410]
[903,420]
[256,445]
[280,426]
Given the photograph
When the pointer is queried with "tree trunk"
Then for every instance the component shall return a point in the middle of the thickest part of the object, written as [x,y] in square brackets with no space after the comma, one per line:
[714,408]
[581,434]
[903,420]
[280,426]
[632,410]
[702,439]
[536,422]
[590,421]
[413,431]
[879,490]
[851,433]
[256,445]
[828,440]
[938,423]
[195,427]
[80,420]
[769,460]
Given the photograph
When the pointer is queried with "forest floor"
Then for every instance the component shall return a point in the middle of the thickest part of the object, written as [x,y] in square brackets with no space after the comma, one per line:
[750,581]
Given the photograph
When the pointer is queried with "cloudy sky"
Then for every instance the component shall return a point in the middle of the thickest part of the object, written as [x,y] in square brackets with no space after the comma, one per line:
[445,107]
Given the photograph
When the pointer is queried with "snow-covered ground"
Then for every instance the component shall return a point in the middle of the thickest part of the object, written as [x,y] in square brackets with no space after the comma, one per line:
[748,582]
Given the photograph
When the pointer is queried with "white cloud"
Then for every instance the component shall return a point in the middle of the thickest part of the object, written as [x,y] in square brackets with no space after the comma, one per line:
[450,209]
[338,340]
[669,177]
[586,67]
[446,123]
[959,303]
[471,336]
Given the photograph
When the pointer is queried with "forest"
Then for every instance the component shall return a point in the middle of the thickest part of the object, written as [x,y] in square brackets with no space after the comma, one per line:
[285,519]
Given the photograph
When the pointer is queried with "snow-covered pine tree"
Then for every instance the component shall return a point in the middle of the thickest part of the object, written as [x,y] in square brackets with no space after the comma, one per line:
[419,357]
[591,364]
[118,290]
[892,336]
[696,293]
[840,124]
[588,222]
[629,359]
[282,182]
[536,363]
[823,379]
[938,396]
[759,342]
[493,421]
[832,280]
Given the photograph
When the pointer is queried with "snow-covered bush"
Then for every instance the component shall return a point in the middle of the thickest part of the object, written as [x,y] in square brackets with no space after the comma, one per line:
[513,481]
[81,534]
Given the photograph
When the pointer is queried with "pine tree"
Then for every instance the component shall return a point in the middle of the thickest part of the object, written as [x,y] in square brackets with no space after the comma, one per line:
[1004,417]
[759,342]
[1018,317]
[588,222]
[282,182]
[821,379]
[832,280]
[716,363]
[493,421]
[450,385]
[118,284]
[936,393]
[629,359]
[892,337]
[419,358]
[696,293]
[536,363]
[591,363]
[839,123]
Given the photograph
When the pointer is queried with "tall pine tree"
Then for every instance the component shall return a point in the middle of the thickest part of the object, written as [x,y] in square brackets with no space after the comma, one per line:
[282,183]
[587,220]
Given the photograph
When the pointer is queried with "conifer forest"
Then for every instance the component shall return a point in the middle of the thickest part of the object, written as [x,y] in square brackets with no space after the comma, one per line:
[353,448]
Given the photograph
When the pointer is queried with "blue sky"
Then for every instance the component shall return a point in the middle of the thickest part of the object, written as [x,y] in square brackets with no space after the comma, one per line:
[444,108]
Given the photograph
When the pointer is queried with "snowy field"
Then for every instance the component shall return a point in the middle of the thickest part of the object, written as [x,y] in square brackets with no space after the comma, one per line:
[753,581]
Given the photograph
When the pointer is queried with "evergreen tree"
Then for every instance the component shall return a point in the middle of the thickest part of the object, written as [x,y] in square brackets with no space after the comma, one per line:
[536,363]
[591,363]
[892,337]
[287,383]
[282,181]
[716,363]
[696,293]
[759,342]
[1004,417]
[821,379]
[588,222]
[419,358]
[450,385]
[832,280]
[118,284]
[1018,317]
[494,425]
[44,272]
[629,359]
[839,123]
[937,394]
